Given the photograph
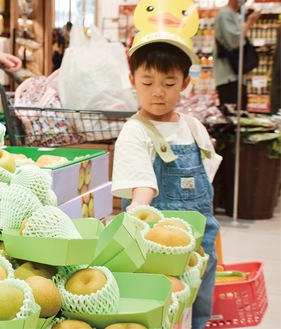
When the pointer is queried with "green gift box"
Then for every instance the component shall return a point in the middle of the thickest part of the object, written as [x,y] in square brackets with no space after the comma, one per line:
[53,251]
[167,264]
[44,323]
[120,247]
[144,299]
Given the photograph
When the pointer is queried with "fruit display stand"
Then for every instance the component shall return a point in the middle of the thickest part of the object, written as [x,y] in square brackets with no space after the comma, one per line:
[41,242]
[144,297]
[81,182]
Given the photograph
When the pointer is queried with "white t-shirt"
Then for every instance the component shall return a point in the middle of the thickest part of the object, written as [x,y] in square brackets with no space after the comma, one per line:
[134,153]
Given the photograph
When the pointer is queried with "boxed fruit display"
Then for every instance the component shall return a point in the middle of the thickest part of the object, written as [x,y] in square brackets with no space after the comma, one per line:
[144,299]
[73,171]
[55,251]
[121,246]
[174,263]
[96,203]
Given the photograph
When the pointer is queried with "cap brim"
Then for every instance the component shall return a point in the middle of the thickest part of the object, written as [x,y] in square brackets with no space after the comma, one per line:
[178,43]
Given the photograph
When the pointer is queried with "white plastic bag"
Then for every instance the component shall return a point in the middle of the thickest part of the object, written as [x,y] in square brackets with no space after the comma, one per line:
[92,74]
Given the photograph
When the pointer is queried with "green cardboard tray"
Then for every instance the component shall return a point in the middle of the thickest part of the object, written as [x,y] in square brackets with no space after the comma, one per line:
[193,294]
[44,323]
[164,264]
[194,218]
[144,299]
[56,252]
[71,154]
[27,323]
[121,247]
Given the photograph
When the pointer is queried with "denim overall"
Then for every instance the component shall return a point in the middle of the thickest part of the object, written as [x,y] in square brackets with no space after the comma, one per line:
[183,185]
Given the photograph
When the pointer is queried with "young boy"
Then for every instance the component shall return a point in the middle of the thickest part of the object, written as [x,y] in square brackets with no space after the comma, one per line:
[167,173]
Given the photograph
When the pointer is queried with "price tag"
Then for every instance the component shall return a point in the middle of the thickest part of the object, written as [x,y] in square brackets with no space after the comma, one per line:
[259,81]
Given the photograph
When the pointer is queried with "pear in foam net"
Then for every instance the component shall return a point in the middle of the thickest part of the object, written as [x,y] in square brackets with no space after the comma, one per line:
[34,178]
[16,300]
[91,290]
[50,222]
[46,295]
[17,204]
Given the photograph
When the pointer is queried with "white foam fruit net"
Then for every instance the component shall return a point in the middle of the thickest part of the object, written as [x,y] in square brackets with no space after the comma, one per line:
[191,277]
[29,306]
[205,260]
[140,224]
[172,312]
[104,301]
[5,175]
[50,222]
[7,266]
[34,178]
[154,247]
[178,220]
[17,203]
[50,199]
[143,211]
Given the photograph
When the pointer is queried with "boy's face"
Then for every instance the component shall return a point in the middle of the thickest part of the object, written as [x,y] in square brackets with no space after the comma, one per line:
[158,92]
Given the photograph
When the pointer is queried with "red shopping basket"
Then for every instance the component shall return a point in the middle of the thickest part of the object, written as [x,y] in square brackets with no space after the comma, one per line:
[240,304]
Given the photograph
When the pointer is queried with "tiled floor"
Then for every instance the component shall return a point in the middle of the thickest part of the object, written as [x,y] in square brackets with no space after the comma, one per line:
[257,240]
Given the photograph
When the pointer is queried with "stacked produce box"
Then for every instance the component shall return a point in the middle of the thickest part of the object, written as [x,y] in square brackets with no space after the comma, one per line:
[57,269]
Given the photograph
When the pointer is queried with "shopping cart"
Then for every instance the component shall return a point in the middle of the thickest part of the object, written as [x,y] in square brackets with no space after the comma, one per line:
[50,127]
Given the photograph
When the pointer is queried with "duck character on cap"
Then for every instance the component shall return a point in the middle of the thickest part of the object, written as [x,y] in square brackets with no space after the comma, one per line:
[174,22]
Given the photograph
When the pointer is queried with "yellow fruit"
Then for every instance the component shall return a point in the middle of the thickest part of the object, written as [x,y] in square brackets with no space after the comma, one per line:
[81,178]
[126,326]
[86,281]
[7,161]
[71,324]
[28,269]
[193,260]
[3,273]
[172,222]
[91,208]
[177,284]
[11,300]
[85,211]
[46,295]
[146,215]
[201,251]
[219,268]
[167,236]
[22,227]
[2,246]
[18,156]
[88,172]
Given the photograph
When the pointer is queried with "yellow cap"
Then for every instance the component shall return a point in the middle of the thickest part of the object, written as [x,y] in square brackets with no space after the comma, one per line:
[143,38]
[173,22]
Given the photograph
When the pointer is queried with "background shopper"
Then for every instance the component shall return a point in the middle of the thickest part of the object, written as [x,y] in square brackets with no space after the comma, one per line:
[10,62]
[227,32]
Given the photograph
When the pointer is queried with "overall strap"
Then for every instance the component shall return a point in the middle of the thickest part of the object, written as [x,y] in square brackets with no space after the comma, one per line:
[162,148]
[193,128]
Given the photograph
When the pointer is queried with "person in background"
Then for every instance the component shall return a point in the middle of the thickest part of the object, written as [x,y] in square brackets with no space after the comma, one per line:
[227,32]
[159,72]
[275,91]
[10,62]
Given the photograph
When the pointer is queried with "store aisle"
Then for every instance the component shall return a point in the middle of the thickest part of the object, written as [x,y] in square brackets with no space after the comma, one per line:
[257,240]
